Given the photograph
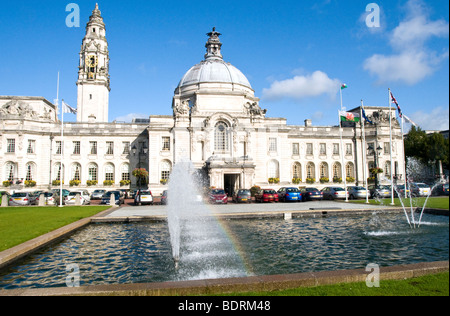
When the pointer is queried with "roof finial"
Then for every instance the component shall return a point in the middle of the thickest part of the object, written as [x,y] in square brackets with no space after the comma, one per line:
[213,45]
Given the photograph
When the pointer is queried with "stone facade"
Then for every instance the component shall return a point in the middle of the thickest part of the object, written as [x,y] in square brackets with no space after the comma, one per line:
[218,123]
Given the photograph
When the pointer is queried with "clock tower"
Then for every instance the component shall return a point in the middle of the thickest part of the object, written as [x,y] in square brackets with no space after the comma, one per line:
[93,74]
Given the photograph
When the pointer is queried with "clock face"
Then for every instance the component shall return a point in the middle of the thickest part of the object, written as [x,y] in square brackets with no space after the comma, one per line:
[91,61]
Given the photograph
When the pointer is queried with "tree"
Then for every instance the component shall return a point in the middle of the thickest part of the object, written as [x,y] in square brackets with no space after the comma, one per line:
[415,144]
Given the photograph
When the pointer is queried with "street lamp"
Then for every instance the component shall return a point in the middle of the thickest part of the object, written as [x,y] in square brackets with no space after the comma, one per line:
[375,157]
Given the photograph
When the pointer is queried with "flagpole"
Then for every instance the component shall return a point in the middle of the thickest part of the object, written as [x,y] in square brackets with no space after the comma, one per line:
[390,147]
[344,176]
[61,177]
[364,152]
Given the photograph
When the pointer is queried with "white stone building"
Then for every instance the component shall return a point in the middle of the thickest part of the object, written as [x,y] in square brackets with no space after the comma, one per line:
[218,123]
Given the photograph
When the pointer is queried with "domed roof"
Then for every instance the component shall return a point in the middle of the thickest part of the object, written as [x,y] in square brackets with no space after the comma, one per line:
[214,69]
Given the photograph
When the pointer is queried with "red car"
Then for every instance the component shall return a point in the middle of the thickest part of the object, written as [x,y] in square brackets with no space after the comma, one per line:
[266,195]
[218,196]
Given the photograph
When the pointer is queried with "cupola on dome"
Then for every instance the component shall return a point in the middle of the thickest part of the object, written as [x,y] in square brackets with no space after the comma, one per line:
[214,69]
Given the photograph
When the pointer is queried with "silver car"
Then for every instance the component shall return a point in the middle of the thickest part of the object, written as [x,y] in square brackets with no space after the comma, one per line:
[333,193]
[380,192]
[21,199]
[85,198]
[356,192]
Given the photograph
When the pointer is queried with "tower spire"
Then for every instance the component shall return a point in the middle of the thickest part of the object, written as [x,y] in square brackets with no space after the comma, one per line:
[213,45]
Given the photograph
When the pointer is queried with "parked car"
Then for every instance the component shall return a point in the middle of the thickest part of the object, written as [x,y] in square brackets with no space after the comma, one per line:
[333,193]
[380,191]
[218,196]
[56,193]
[21,199]
[400,191]
[357,192]
[106,199]
[267,195]
[422,189]
[97,194]
[143,197]
[85,198]
[242,196]
[441,189]
[311,194]
[289,194]
[48,197]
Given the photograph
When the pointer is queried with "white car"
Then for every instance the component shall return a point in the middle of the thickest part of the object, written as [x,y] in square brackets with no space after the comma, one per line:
[85,198]
[143,197]
[424,189]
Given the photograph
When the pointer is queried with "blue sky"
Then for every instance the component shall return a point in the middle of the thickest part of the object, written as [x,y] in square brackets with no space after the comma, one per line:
[294,53]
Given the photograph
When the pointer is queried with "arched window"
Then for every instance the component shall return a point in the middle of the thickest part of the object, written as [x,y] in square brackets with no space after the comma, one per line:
[324,170]
[125,171]
[310,170]
[76,171]
[387,169]
[221,138]
[273,169]
[166,169]
[10,171]
[57,172]
[30,169]
[297,170]
[350,170]
[109,172]
[337,170]
[93,172]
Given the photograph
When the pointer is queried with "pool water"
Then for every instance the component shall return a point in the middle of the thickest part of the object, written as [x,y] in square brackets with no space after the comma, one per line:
[141,252]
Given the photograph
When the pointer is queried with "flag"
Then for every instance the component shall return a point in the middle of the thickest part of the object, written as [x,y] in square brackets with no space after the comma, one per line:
[68,109]
[408,120]
[344,86]
[400,114]
[365,117]
[349,117]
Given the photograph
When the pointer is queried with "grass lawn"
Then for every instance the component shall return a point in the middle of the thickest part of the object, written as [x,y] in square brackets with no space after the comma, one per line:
[429,285]
[20,224]
[433,202]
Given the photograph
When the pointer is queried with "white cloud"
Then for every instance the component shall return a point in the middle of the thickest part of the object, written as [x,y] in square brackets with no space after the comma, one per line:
[300,87]
[435,119]
[413,60]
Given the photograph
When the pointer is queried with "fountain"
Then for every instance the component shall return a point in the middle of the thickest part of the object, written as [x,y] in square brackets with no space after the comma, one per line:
[200,247]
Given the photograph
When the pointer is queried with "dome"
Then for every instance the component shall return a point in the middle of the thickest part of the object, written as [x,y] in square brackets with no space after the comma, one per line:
[214,69]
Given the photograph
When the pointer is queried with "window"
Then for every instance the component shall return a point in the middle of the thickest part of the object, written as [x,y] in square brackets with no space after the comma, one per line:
[93,146]
[58,147]
[125,171]
[221,143]
[337,171]
[295,149]
[335,149]
[11,146]
[166,169]
[76,148]
[31,146]
[309,149]
[323,149]
[109,172]
[93,172]
[10,169]
[110,148]
[387,169]
[272,145]
[350,170]
[76,171]
[30,171]
[126,148]
[57,171]
[324,170]
[310,171]
[349,149]
[297,171]
[273,171]
[166,143]
[386,149]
